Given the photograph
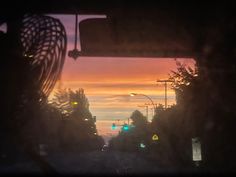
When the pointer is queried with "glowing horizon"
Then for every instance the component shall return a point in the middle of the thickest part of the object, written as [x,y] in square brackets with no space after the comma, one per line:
[108,89]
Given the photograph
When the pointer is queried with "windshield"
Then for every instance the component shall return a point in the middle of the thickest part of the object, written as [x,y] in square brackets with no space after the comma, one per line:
[117,90]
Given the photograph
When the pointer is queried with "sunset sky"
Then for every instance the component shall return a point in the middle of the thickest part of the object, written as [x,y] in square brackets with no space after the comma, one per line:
[108,81]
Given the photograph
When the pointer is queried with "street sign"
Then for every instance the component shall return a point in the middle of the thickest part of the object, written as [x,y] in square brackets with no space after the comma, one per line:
[155,137]
[196,149]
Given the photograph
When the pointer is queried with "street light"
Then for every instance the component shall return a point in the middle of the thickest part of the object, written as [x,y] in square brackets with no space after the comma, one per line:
[135,94]
[74,102]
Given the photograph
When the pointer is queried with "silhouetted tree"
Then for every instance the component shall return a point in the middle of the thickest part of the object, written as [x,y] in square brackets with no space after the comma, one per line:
[129,140]
[178,124]
[138,119]
[183,82]
[78,131]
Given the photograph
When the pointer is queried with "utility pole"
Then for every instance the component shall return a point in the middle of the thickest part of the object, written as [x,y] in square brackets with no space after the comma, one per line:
[152,112]
[165,83]
[153,109]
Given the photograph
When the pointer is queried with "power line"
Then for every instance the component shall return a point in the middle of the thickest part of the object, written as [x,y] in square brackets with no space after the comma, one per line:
[165,82]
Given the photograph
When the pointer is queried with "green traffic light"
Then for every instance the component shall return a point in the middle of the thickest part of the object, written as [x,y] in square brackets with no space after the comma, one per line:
[125,127]
[113,127]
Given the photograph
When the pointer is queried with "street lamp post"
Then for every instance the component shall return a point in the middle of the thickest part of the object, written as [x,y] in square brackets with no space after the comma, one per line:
[134,94]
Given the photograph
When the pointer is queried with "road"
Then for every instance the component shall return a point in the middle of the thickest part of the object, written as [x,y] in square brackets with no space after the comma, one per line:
[97,162]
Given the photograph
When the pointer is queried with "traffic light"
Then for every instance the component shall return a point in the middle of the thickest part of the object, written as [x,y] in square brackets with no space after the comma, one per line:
[113,127]
[125,127]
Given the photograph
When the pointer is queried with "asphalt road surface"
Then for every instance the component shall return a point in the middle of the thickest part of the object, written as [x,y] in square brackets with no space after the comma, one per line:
[108,162]
[92,163]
